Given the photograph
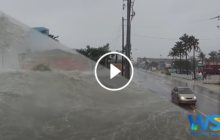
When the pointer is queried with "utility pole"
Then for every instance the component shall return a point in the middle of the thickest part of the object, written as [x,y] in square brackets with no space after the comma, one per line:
[122,59]
[128,40]
[218,17]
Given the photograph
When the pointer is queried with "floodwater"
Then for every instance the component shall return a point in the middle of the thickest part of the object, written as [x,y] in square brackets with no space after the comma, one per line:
[72,106]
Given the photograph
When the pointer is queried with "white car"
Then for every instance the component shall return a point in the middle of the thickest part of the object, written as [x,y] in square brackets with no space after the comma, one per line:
[183,95]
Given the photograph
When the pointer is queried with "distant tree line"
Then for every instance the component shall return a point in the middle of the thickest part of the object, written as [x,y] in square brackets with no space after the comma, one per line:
[95,53]
[182,48]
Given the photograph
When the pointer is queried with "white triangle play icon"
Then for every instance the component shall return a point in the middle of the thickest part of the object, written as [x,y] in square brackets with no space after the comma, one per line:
[113,71]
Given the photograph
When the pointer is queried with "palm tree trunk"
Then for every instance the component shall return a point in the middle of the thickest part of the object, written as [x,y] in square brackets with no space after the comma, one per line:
[107,61]
[194,63]
[180,63]
[116,58]
[2,56]
[186,64]
[172,64]
[175,66]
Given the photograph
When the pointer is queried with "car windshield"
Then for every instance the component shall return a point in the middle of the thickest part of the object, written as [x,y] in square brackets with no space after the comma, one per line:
[185,91]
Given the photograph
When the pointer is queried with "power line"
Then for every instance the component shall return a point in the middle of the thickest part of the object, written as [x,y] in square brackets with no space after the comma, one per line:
[155,37]
[214,22]
[172,38]
[114,39]
[119,28]
[210,39]
[173,21]
[218,17]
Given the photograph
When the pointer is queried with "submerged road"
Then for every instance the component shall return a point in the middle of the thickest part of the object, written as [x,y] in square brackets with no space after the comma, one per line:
[208,102]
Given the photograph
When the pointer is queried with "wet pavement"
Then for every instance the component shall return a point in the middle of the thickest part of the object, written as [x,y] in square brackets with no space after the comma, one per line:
[208,102]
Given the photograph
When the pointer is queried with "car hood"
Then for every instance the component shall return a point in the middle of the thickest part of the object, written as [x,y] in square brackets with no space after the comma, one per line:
[187,95]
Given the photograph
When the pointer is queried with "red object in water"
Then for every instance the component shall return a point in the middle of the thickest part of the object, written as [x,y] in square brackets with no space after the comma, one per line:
[62,63]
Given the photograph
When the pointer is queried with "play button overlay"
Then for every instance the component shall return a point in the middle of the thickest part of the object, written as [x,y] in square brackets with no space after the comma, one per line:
[113,71]
[110,73]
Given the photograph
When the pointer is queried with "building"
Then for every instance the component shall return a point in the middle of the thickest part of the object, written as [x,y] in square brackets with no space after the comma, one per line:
[211,68]
[218,54]
[139,60]
[42,29]
[158,60]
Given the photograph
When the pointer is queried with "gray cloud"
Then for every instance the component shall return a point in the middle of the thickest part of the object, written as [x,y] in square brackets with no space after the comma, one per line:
[85,22]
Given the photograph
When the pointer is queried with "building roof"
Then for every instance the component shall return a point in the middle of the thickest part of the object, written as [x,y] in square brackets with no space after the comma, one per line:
[40,28]
[211,64]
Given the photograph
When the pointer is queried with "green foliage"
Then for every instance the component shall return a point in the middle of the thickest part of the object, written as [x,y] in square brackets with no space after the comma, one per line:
[201,56]
[50,35]
[213,56]
[194,43]
[53,37]
[168,73]
[41,67]
[153,64]
[186,44]
[182,64]
[96,53]
[185,39]
[146,63]
[180,49]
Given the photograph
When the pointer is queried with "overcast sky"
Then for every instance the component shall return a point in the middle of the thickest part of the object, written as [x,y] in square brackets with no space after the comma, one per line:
[97,22]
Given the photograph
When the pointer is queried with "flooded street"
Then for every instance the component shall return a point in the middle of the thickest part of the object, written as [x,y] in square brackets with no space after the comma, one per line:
[72,106]
[207,101]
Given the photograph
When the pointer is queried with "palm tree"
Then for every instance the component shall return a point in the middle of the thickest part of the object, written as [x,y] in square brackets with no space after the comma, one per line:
[50,35]
[53,37]
[213,55]
[201,57]
[172,54]
[194,44]
[180,51]
[187,48]
[207,60]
